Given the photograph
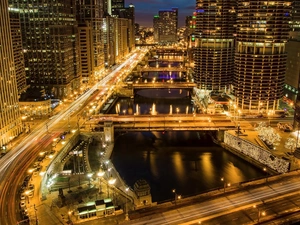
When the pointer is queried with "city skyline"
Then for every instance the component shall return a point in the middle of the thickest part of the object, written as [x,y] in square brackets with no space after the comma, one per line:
[145,10]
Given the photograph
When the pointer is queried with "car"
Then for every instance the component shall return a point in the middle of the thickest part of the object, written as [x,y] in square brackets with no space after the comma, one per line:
[24,212]
[2,154]
[22,197]
[31,187]
[22,204]
[27,178]
[30,194]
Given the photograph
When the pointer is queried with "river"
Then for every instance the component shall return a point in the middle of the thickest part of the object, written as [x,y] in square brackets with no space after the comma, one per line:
[187,161]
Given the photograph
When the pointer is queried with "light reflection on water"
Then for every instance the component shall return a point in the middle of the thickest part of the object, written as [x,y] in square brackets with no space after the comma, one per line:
[186,161]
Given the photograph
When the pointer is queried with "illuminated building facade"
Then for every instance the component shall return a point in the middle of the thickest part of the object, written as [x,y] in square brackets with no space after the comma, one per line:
[109,38]
[295,21]
[86,52]
[90,13]
[260,56]
[10,121]
[166,25]
[117,4]
[214,53]
[190,32]
[16,36]
[156,28]
[50,45]
[127,13]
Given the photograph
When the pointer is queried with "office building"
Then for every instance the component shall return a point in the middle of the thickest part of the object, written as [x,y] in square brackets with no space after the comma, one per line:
[86,52]
[10,121]
[166,25]
[50,45]
[260,55]
[129,14]
[16,36]
[190,31]
[295,21]
[214,53]
[156,28]
[117,4]
[292,75]
[91,13]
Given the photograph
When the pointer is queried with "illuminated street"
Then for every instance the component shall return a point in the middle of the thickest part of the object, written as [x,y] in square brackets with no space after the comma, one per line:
[21,156]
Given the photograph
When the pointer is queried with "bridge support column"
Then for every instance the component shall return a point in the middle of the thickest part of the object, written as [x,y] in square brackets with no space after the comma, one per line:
[220,135]
[108,132]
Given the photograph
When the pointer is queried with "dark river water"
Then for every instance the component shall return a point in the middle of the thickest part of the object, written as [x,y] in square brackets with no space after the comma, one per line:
[187,161]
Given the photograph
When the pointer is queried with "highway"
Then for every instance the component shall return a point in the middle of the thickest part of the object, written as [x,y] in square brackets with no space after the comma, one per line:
[208,211]
[15,163]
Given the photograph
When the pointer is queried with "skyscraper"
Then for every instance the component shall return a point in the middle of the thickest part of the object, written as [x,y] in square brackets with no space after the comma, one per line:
[260,56]
[50,45]
[214,53]
[10,122]
[117,4]
[16,36]
[91,13]
[166,25]
[295,20]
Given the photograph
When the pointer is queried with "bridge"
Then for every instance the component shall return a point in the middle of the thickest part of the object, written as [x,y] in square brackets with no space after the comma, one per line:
[180,60]
[162,69]
[175,122]
[164,85]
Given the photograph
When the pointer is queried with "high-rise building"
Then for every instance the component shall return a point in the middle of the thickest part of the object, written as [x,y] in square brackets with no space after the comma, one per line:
[86,52]
[16,36]
[214,53]
[50,45]
[295,20]
[260,56]
[129,14]
[292,75]
[166,25]
[156,28]
[190,31]
[91,13]
[117,4]
[10,121]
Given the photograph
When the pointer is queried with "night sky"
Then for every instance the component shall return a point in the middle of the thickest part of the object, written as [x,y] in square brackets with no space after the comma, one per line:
[146,9]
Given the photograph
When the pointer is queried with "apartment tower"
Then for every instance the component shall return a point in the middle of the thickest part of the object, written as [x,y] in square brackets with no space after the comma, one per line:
[10,121]
[214,53]
[260,56]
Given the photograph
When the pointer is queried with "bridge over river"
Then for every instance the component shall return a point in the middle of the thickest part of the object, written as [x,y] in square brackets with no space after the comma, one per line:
[176,122]
[165,85]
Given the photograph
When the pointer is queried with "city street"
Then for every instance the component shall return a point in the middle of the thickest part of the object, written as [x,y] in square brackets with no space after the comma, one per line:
[15,163]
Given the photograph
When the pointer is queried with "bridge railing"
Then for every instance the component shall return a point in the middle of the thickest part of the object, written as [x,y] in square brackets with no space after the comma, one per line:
[158,118]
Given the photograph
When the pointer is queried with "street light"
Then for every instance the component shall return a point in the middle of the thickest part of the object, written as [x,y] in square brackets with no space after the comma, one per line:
[126,209]
[111,181]
[89,176]
[259,213]
[225,184]
[27,195]
[265,169]
[69,217]
[100,174]
[174,191]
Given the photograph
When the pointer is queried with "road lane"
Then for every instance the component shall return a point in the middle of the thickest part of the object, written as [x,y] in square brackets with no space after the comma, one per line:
[24,153]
